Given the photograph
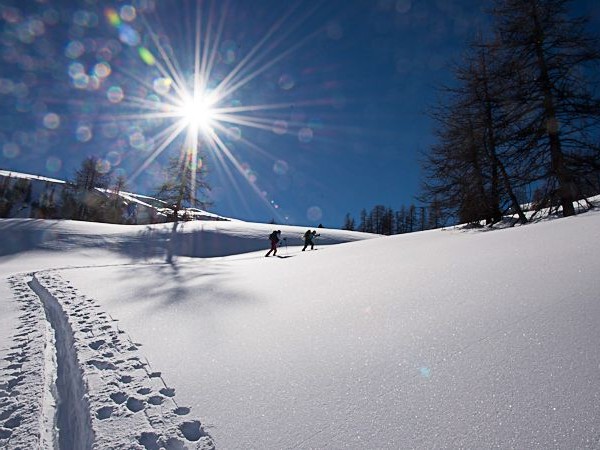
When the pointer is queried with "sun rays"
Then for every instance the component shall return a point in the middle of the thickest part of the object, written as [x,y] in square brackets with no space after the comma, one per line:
[199,112]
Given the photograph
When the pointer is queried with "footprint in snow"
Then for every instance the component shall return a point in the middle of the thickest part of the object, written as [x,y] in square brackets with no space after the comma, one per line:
[104,413]
[8,412]
[97,344]
[191,430]
[102,365]
[168,392]
[182,411]
[149,440]
[13,422]
[118,397]
[156,400]
[134,404]
[125,379]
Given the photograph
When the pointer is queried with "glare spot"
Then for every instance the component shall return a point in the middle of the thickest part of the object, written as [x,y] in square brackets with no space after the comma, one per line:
[76,69]
[53,164]
[114,157]
[36,27]
[128,35]
[314,213]
[11,150]
[83,133]
[74,49]
[102,70]
[153,98]
[286,82]
[403,6]
[25,35]
[11,15]
[114,94]
[146,56]
[103,166]
[6,86]
[81,81]
[113,17]
[51,121]
[137,140]
[305,135]
[162,86]
[128,13]
[280,127]
[228,52]
[280,167]
[234,133]
[104,53]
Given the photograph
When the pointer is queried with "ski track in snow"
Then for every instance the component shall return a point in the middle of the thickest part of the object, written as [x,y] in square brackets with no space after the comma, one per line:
[114,397]
[26,400]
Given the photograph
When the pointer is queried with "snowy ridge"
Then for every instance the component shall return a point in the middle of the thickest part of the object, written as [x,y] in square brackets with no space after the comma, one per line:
[199,239]
[27,403]
[130,406]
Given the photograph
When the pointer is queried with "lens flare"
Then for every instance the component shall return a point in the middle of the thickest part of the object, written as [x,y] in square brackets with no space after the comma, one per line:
[197,111]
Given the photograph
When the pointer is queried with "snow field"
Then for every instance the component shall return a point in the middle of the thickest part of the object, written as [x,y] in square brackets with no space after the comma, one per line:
[437,339]
[445,338]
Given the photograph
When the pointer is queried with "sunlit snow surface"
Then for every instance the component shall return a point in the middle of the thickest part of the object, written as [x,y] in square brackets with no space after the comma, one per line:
[443,338]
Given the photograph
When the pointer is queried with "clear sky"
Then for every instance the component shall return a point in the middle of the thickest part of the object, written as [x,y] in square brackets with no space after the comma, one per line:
[312,108]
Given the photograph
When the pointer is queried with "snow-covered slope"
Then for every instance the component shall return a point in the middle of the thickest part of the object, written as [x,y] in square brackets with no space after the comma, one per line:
[443,338]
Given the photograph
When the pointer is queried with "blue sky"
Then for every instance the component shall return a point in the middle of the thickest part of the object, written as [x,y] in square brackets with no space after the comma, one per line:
[351,81]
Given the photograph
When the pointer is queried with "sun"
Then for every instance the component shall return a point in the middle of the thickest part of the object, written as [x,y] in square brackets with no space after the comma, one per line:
[198,111]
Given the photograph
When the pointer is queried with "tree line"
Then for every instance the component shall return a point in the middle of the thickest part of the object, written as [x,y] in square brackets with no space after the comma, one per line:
[94,195]
[522,116]
[384,220]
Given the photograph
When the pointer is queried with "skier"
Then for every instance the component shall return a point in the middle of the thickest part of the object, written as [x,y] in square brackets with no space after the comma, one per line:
[314,238]
[308,239]
[274,238]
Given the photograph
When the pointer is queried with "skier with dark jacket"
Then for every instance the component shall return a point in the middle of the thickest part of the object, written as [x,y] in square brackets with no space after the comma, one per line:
[274,238]
[308,239]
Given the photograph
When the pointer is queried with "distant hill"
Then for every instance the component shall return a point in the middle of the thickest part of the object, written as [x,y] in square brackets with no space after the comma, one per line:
[25,195]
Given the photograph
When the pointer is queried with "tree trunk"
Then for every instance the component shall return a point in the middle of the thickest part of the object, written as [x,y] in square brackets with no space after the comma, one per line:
[497,164]
[566,185]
